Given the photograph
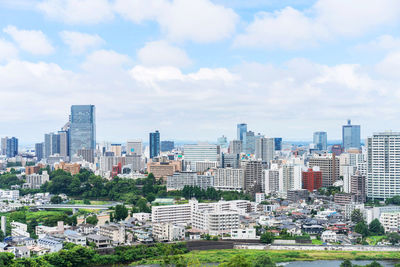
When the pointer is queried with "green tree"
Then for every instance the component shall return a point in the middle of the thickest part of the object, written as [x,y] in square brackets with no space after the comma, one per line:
[376,228]
[267,238]
[1,236]
[361,228]
[142,205]
[263,260]
[56,200]
[92,220]
[121,212]
[393,238]
[6,259]
[357,216]
[86,201]
[346,263]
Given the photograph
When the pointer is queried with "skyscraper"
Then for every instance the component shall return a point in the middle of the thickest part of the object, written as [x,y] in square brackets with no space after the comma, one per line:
[39,151]
[265,149]
[249,142]
[235,147]
[278,143]
[12,147]
[351,136]
[241,131]
[383,165]
[167,146]
[320,140]
[82,133]
[63,143]
[154,144]
[51,144]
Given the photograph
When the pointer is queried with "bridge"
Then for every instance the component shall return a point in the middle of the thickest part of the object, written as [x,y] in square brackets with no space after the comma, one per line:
[76,207]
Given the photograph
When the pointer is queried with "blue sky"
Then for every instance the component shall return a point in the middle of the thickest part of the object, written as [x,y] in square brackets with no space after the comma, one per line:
[195,68]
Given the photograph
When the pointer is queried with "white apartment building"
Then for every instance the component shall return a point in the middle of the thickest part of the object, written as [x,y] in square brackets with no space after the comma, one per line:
[383,165]
[19,229]
[289,178]
[142,216]
[249,233]
[260,197]
[168,232]
[115,232]
[9,194]
[171,213]
[265,149]
[390,221]
[178,180]
[271,181]
[229,179]
[202,166]
[35,181]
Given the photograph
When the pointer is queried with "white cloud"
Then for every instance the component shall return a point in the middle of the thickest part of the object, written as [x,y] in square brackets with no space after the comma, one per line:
[325,20]
[384,42]
[195,20]
[77,11]
[161,53]
[108,60]
[80,42]
[7,50]
[34,42]
[389,67]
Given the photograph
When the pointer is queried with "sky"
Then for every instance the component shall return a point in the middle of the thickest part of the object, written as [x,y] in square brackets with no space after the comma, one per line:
[193,69]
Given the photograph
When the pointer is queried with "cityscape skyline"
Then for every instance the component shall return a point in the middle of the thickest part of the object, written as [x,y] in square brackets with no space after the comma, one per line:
[152,73]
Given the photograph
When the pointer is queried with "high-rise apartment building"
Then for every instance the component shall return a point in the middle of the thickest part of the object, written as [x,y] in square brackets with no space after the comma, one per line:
[383,165]
[86,154]
[265,149]
[116,149]
[3,148]
[320,140]
[229,179]
[312,179]
[253,175]
[154,143]
[351,136]
[329,166]
[82,133]
[358,183]
[200,152]
[134,147]
[250,143]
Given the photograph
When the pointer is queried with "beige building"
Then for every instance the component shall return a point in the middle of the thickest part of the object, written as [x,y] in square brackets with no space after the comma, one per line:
[162,169]
[115,232]
[168,232]
[390,221]
[329,166]
[72,168]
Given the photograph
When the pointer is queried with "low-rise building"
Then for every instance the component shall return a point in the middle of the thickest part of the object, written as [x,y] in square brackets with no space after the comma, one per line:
[249,233]
[19,229]
[390,221]
[115,232]
[168,232]
[100,241]
[51,243]
[329,236]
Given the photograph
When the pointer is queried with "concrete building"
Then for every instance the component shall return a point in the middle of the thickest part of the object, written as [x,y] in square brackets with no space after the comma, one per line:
[229,160]
[154,144]
[228,179]
[312,179]
[82,131]
[390,221]
[358,188]
[235,147]
[351,136]
[265,149]
[168,232]
[200,152]
[115,232]
[116,149]
[134,147]
[167,146]
[329,166]
[320,141]
[297,195]
[383,165]
[19,229]
[179,180]
[271,181]
[86,154]
[203,166]
[164,168]
[35,181]
[253,175]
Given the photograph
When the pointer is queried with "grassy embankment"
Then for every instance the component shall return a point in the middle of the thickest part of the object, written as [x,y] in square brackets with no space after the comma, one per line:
[219,256]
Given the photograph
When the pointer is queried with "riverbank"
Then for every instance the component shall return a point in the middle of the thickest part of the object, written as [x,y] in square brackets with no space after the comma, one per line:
[213,256]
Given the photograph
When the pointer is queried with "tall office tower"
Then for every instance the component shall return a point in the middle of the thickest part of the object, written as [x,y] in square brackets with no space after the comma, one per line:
[82,132]
[312,179]
[39,151]
[86,154]
[235,147]
[253,174]
[12,147]
[351,136]
[241,131]
[265,149]
[134,147]
[222,141]
[320,140]
[51,144]
[383,165]
[200,152]
[229,160]
[154,144]
[278,143]
[63,143]
[167,146]
[358,187]
[3,149]
[250,143]
[117,149]
[329,166]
